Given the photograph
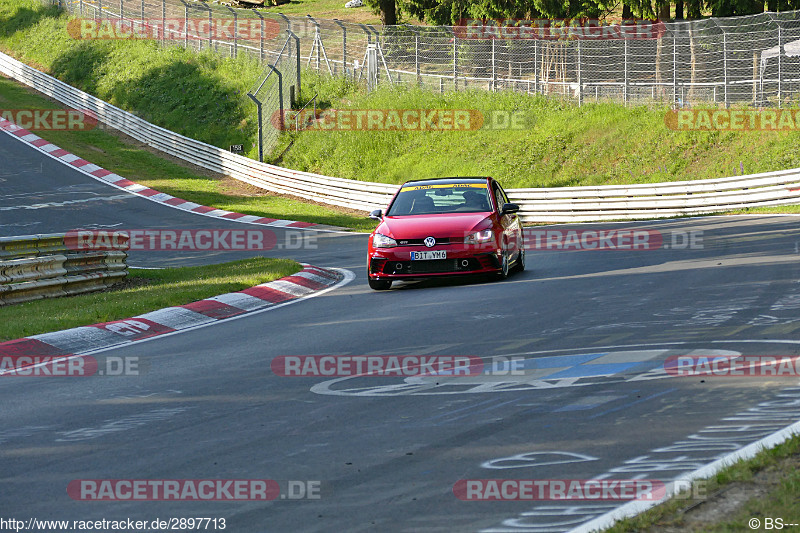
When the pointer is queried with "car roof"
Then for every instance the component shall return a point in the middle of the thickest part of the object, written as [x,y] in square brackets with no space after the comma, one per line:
[445,181]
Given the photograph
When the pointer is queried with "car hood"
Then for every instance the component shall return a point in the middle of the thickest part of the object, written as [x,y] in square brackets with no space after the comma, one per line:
[438,225]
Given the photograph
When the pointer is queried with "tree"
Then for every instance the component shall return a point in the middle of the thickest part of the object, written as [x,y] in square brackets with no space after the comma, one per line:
[387,10]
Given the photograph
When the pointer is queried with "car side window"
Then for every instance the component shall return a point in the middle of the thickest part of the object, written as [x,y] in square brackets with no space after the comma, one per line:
[498,197]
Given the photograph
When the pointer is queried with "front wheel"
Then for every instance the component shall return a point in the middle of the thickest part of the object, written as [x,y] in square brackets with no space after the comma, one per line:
[504,267]
[379,284]
[520,265]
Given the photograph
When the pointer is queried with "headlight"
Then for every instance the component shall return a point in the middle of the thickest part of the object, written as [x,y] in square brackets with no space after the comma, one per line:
[478,237]
[382,241]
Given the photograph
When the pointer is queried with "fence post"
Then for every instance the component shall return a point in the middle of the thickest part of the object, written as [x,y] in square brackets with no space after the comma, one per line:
[297,60]
[455,62]
[344,44]
[580,78]
[235,32]
[536,67]
[372,67]
[80,5]
[185,24]
[725,64]
[142,13]
[163,21]
[416,54]
[780,52]
[625,92]
[674,69]
[100,8]
[121,9]
[260,128]
[316,45]
[494,67]
[260,36]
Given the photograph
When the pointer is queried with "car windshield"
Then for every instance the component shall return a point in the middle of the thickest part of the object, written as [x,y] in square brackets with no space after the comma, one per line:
[445,198]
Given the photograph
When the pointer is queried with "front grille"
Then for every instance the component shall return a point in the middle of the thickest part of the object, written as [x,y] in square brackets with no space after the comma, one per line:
[421,242]
[434,266]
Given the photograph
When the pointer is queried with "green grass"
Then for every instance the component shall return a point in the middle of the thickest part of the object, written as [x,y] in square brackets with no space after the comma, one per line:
[562,145]
[150,290]
[781,502]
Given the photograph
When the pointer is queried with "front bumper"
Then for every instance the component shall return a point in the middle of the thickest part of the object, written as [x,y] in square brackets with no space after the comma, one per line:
[395,263]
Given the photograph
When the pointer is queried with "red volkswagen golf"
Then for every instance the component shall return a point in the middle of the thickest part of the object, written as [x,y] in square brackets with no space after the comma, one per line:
[445,227]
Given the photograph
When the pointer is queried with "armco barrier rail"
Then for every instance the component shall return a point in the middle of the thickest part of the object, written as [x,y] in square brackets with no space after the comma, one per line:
[565,204]
[43,266]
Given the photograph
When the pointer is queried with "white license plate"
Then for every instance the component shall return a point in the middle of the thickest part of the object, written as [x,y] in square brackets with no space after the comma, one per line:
[434,254]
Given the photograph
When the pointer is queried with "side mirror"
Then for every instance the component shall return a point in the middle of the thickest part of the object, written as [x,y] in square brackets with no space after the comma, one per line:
[376,215]
[509,208]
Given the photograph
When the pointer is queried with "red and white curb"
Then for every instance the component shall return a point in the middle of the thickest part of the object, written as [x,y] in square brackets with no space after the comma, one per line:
[106,176]
[311,281]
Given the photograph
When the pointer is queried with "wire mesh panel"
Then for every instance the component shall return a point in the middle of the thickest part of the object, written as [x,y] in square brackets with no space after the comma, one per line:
[275,93]
[751,60]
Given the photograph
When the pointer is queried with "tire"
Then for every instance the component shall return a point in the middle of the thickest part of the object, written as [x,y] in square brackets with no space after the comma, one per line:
[379,284]
[504,267]
[519,266]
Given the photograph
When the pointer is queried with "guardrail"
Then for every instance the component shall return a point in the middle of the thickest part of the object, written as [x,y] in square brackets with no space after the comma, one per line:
[43,266]
[563,204]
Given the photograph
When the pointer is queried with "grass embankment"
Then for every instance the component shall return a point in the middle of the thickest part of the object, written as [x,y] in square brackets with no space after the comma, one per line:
[729,501]
[143,291]
[203,96]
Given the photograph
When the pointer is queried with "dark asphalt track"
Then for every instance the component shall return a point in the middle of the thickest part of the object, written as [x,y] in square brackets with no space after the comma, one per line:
[388,451]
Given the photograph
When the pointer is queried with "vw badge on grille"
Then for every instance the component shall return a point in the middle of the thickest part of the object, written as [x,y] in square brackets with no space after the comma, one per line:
[430,242]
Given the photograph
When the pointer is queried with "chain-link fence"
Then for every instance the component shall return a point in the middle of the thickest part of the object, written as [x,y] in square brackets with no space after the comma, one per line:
[752,60]
[741,60]
[276,92]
